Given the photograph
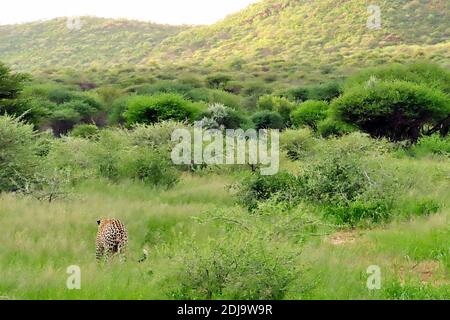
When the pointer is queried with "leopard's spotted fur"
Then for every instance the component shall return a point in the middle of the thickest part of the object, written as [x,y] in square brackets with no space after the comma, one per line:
[112,238]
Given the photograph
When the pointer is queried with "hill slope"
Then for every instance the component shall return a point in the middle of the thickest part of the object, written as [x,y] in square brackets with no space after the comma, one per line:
[99,43]
[297,41]
[297,34]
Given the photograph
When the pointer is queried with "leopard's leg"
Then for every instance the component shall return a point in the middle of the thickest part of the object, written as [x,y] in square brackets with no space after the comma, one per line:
[99,251]
[122,252]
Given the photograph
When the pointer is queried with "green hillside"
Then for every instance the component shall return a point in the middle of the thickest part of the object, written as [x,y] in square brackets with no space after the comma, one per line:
[99,43]
[294,36]
[287,41]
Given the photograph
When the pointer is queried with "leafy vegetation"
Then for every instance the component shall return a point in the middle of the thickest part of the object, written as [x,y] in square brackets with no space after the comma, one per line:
[364,154]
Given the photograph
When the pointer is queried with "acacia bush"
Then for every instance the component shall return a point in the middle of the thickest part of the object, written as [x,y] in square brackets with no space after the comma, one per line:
[330,127]
[424,73]
[237,266]
[155,135]
[19,161]
[268,120]
[397,110]
[87,131]
[152,167]
[309,113]
[349,181]
[220,116]
[116,154]
[279,104]
[431,145]
[157,108]
[256,188]
[298,144]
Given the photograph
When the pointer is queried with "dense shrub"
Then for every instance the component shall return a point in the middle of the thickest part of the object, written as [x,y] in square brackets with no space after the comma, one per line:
[217,81]
[162,86]
[152,109]
[256,89]
[220,116]
[31,110]
[349,181]
[19,162]
[11,84]
[298,144]
[279,104]
[268,120]
[87,131]
[149,166]
[257,188]
[215,96]
[309,113]
[427,74]
[397,110]
[322,92]
[428,145]
[155,135]
[236,267]
[298,94]
[118,154]
[325,92]
[331,127]
[63,119]
[118,108]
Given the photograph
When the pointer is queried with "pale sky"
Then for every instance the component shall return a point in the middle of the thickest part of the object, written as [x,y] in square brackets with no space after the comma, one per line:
[160,11]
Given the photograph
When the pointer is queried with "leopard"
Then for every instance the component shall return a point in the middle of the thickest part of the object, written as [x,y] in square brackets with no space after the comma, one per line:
[112,239]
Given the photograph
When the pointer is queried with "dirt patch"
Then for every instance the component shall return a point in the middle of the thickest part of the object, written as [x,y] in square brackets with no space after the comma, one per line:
[342,237]
[427,271]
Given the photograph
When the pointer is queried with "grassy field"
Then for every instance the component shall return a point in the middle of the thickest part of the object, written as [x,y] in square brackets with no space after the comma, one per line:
[40,240]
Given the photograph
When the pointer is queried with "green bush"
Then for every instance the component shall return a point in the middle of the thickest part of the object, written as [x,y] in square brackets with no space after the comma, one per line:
[234,268]
[348,179]
[162,86]
[59,95]
[217,81]
[11,84]
[118,108]
[88,131]
[117,154]
[152,109]
[155,135]
[429,145]
[74,155]
[32,110]
[63,119]
[19,162]
[309,113]
[215,96]
[220,116]
[268,120]
[149,166]
[333,128]
[397,110]
[325,92]
[279,104]
[257,188]
[298,94]
[427,74]
[298,144]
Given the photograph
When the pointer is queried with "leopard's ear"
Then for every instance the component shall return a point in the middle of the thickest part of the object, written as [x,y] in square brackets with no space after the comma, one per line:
[98,222]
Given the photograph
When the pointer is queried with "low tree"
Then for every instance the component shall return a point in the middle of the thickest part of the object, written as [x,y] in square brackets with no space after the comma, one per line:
[309,113]
[268,120]
[157,108]
[18,154]
[279,104]
[398,110]
[11,85]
